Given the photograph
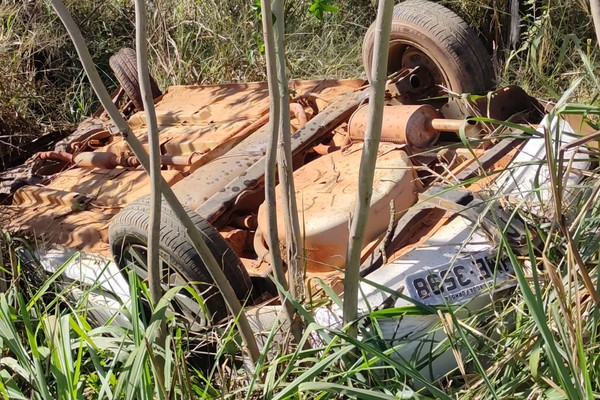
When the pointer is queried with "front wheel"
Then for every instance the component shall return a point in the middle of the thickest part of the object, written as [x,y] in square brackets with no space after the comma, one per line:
[432,38]
[180,263]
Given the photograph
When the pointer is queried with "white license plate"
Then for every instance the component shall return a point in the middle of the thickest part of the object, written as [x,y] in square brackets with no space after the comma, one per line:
[458,281]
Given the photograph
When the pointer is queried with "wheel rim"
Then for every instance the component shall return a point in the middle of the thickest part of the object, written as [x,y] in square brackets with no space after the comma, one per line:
[183,304]
[432,82]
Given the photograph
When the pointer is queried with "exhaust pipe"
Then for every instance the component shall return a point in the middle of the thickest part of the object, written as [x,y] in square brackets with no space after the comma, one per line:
[416,126]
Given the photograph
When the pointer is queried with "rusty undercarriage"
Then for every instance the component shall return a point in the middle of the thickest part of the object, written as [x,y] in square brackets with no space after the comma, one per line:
[100,176]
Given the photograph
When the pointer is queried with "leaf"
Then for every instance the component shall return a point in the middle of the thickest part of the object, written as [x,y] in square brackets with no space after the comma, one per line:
[312,372]
[348,391]
[319,7]
[8,387]
[257,8]
[536,308]
[534,360]
[401,366]
[15,366]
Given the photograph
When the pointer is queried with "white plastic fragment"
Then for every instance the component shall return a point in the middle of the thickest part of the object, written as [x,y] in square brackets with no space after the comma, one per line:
[528,180]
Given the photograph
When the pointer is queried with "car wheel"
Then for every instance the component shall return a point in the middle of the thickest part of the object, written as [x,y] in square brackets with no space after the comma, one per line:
[180,263]
[446,50]
[124,65]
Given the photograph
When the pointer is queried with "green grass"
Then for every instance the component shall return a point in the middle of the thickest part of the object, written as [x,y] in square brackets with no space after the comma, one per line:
[540,341]
[212,42]
[44,88]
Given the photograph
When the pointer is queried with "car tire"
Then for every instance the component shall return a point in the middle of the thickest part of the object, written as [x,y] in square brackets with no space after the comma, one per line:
[429,35]
[181,264]
[124,66]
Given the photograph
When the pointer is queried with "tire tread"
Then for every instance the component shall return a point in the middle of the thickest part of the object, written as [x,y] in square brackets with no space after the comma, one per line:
[450,32]
[124,66]
[132,222]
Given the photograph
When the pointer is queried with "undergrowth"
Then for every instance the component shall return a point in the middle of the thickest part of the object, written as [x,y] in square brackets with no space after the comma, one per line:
[44,88]
[536,340]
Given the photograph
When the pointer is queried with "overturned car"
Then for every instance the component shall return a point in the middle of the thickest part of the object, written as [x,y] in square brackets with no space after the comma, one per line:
[434,225]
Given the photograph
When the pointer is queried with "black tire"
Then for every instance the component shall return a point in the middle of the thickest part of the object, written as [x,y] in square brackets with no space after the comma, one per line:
[128,231]
[124,65]
[453,53]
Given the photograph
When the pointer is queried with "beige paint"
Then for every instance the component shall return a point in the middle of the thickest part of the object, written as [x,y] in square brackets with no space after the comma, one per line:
[326,192]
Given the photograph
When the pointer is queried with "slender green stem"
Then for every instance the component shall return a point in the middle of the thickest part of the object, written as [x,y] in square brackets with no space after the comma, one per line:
[271,160]
[286,174]
[154,150]
[194,234]
[154,273]
[367,163]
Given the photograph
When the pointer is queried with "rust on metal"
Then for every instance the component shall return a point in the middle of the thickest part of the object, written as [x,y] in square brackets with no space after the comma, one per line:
[455,125]
[97,159]
[54,213]
[213,141]
[510,103]
[323,149]
[109,160]
[244,221]
[416,126]
[56,155]
[252,163]
[401,124]
[330,183]
[408,80]
[300,114]
[198,124]
[39,194]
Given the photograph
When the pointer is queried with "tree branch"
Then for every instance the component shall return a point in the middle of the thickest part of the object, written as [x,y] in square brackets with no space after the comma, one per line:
[286,174]
[136,147]
[275,111]
[367,162]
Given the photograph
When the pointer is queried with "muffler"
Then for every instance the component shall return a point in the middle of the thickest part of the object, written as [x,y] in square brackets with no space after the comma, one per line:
[417,126]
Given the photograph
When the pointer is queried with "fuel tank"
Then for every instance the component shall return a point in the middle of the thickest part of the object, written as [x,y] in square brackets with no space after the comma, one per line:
[326,193]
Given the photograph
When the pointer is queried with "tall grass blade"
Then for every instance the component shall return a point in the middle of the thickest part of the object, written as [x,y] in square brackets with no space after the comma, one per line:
[534,304]
[411,372]
[312,372]
[350,392]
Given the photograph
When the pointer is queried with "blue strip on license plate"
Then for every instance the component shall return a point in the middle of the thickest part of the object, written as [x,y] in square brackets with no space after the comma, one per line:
[457,281]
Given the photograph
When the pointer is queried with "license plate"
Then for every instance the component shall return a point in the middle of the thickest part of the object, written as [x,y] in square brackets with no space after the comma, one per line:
[458,281]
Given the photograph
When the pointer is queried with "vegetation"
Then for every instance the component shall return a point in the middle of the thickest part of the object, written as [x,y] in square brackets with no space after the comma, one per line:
[541,341]
[189,43]
[45,88]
